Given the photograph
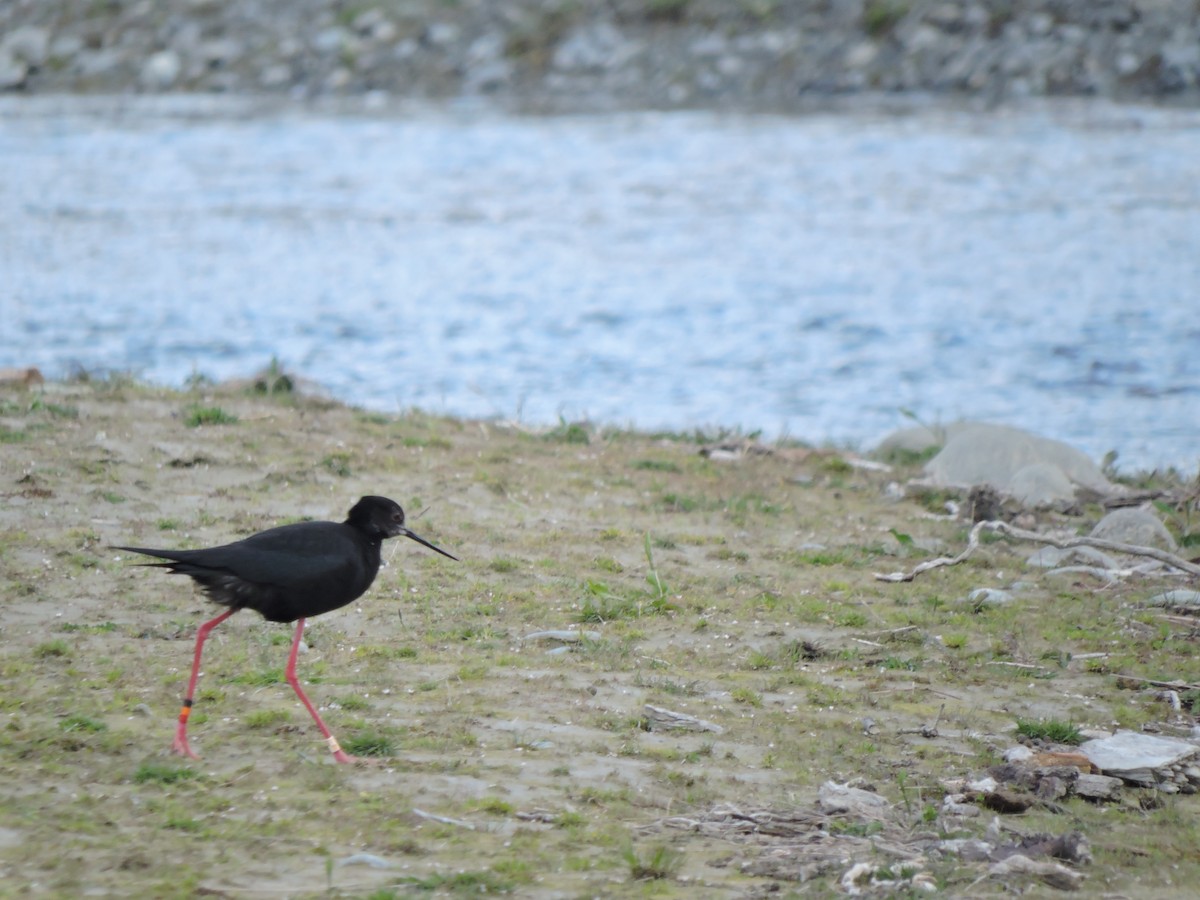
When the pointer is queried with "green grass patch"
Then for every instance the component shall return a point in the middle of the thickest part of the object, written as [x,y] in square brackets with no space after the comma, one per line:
[52,649]
[82,723]
[338,464]
[658,862]
[99,628]
[160,773]
[880,17]
[570,433]
[370,743]
[463,884]
[656,465]
[266,718]
[195,416]
[1054,730]
[261,678]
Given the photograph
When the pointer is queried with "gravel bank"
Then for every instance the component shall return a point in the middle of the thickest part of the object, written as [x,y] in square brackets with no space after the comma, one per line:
[555,54]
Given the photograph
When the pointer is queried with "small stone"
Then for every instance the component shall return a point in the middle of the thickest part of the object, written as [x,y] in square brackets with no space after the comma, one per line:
[276,75]
[65,46]
[366,859]
[1017,754]
[860,56]
[984,785]
[952,807]
[711,44]
[330,40]
[442,34]
[967,849]
[161,71]
[981,597]
[1098,787]
[367,21]
[835,798]
[220,52]
[12,72]
[28,44]
[339,79]
[97,63]
[1041,24]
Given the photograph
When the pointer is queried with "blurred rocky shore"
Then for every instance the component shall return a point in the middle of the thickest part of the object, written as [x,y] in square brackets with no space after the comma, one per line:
[602,54]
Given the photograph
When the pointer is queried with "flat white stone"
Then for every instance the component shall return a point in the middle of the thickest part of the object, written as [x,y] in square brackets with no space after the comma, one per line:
[1129,751]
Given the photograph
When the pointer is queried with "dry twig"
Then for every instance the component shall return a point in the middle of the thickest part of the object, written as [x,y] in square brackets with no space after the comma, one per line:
[1021,534]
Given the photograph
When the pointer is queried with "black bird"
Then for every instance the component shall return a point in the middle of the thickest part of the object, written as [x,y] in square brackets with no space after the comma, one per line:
[288,574]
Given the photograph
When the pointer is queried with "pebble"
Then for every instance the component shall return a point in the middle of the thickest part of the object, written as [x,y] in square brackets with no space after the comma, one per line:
[981,597]
[366,859]
[12,71]
[28,44]
[161,71]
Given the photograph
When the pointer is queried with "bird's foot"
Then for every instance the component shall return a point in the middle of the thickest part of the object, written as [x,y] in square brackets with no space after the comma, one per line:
[180,746]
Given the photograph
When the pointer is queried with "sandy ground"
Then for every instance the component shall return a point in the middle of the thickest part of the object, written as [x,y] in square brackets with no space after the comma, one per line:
[507,767]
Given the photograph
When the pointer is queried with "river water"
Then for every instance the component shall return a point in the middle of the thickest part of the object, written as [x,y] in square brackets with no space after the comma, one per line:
[811,276]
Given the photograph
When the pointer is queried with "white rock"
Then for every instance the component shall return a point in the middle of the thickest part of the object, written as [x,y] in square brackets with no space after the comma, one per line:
[1134,526]
[161,70]
[841,798]
[28,44]
[65,46]
[982,453]
[1131,755]
[12,71]
[1019,753]
[440,34]
[989,597]
[859,56]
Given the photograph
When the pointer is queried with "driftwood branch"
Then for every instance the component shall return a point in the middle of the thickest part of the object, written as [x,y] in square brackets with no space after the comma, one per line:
[445,820]
[667,719]
[1021,534]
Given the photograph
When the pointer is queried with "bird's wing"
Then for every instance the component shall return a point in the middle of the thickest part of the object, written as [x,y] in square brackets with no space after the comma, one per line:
[286,557]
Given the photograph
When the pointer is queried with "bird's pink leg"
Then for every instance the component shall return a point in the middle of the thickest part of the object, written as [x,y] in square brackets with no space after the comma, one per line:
[180,745]
[338,753]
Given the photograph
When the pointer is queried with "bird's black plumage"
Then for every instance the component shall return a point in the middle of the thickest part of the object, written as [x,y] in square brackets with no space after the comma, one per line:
[288,574]
[295,571]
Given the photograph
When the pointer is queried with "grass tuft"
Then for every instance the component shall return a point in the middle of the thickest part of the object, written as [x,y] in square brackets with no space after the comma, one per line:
[1054,730]
[160,773]
[195,416]
[661,861]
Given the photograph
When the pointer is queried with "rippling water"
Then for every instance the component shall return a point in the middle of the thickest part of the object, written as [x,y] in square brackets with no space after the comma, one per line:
[810,276]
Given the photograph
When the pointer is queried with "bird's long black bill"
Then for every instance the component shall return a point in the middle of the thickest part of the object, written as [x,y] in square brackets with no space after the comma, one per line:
[420,540]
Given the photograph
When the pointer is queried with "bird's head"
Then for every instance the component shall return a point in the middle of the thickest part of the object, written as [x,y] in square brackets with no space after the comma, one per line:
[381,518]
